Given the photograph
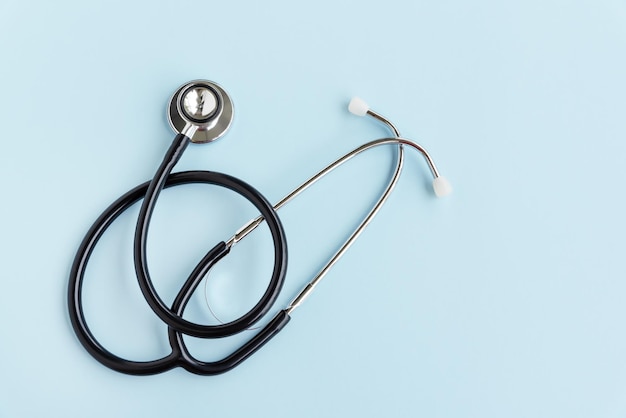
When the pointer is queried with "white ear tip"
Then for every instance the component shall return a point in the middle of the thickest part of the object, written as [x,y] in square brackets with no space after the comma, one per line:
[442,186]
[358,106]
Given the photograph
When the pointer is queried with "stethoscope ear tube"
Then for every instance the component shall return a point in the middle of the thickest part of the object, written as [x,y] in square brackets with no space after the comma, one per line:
[178,326]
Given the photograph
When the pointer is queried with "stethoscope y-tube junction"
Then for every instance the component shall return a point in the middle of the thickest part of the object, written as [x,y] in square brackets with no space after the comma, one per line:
[201,111]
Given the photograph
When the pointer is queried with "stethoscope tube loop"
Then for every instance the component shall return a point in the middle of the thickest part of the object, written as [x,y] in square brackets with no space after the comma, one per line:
[179,356]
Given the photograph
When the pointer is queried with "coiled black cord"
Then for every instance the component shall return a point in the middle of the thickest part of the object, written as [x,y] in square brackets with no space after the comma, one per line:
[178,326]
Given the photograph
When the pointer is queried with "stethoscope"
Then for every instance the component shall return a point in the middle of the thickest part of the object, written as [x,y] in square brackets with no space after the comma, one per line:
[201,112]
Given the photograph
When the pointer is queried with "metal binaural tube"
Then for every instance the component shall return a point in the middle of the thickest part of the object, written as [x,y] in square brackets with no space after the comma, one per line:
[397,140]
[250,226]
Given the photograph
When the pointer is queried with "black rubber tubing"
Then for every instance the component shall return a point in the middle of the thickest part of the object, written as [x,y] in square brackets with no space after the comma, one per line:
[141,266]
[178,326]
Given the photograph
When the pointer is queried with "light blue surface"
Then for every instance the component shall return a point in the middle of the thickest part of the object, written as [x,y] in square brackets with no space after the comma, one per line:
[504,300]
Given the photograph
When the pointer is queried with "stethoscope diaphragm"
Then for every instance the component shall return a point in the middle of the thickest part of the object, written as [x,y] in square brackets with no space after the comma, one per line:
[205,105]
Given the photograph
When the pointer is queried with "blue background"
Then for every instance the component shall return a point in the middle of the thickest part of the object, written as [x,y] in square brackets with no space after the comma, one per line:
[505,299]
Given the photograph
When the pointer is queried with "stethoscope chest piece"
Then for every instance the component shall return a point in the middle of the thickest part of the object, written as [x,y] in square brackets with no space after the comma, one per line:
[203,104]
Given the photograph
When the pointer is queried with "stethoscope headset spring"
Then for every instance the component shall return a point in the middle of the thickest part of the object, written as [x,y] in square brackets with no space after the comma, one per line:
[200,112]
